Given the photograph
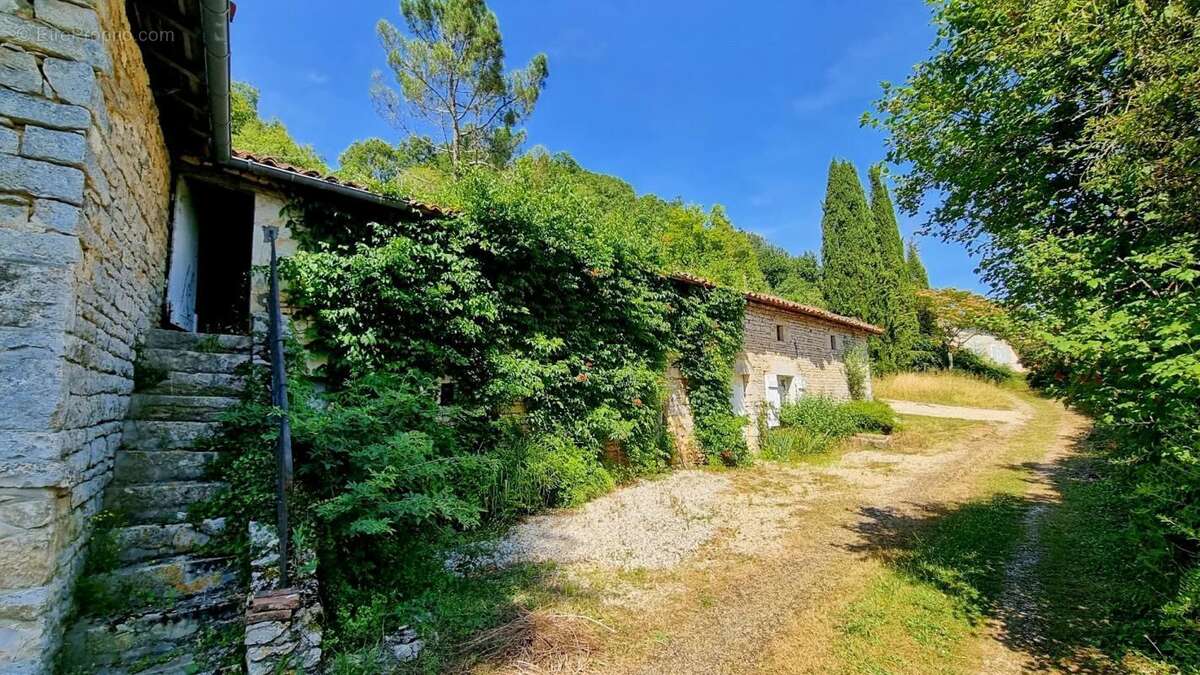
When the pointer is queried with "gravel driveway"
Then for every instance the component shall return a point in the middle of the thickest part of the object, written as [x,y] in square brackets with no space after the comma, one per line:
[737,568]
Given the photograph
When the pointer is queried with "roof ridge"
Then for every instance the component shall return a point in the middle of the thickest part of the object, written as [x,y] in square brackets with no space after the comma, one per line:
[784,303]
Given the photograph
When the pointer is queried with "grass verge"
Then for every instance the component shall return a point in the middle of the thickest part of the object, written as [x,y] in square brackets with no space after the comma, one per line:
[944,567]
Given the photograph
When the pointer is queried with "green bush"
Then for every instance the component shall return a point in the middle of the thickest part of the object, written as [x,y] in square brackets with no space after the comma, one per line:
[970,362]
[565,474]
[858,370]
[812,424]
[819,415]
[872,416]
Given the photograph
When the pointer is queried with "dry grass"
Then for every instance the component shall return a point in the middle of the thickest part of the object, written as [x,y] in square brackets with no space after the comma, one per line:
[536,642]
[945,388]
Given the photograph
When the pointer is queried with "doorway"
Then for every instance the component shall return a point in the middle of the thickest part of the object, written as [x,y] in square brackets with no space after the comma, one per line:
[208,285]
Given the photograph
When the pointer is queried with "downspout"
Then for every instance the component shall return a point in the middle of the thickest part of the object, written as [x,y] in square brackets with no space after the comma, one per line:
[215,24]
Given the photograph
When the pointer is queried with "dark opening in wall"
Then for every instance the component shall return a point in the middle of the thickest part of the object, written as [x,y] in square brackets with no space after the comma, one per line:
[226,222]
[212,229]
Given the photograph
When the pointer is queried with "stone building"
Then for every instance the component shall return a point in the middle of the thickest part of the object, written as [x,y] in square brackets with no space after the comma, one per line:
[789,350]
[123,211]
[129,228]
[991,347]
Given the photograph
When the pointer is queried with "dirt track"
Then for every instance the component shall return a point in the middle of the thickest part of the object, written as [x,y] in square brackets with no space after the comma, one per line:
[788,543]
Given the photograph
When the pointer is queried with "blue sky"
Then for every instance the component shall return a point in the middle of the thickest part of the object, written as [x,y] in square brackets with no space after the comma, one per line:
[681,98]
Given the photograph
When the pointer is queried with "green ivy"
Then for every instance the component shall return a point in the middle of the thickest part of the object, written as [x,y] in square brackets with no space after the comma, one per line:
[708,336]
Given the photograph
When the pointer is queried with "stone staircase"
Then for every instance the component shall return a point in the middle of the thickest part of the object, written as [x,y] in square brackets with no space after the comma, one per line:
[178,596]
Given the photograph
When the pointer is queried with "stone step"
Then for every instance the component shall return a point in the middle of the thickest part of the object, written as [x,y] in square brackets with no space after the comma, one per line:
[197,384]
[153,466]
[139,543]
[165,582]
[152,435]
[180,361]
[159,338]
[179,408]
[178,640]
[162,584]
[161,503]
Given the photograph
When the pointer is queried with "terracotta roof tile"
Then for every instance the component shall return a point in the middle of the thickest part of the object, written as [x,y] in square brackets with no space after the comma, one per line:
[787,305]
[428,210]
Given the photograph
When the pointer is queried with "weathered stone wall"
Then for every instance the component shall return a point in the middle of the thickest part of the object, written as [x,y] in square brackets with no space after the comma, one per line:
[680,423]
[806,354]
[84,192]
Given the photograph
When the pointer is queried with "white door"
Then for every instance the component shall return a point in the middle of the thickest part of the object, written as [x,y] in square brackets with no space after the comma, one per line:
[774,400]
[185,259]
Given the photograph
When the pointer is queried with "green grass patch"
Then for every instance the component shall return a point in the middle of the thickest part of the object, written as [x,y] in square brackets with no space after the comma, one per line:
[1094,591]
[945,571]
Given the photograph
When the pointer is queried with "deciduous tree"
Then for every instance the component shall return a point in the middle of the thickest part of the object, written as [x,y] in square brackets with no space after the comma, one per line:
[1061,139]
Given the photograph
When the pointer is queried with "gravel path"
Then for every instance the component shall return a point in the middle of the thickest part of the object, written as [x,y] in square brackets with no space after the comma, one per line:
[1017,631]
[743,564]
[956,412]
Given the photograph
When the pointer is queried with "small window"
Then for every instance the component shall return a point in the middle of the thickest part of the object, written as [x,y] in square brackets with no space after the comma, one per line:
[833,342]
[785,390]
[779,332]
[446,394]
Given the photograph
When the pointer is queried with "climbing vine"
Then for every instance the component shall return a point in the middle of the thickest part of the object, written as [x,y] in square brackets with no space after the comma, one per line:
[431,334]
[708,336]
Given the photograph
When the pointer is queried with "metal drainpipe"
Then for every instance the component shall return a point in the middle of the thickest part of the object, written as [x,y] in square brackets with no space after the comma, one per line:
[279,397]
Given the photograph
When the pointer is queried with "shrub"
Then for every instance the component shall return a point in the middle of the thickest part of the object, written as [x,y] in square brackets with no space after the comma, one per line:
[970,362]
[563,473]
[872,416]
[784,443]
[819,415]
[858,369]
[812,424]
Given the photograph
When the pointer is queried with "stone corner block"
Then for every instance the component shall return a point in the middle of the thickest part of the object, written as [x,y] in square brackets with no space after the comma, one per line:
[57,216]
[41,179]
[64,147]
[73,81]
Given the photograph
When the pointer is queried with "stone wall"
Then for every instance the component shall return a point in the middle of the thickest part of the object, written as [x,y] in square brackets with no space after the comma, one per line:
[84,194]
[806,354]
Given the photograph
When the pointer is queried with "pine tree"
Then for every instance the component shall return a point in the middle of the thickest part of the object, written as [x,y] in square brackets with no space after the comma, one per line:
[850,251]
[896,293]
[916,271]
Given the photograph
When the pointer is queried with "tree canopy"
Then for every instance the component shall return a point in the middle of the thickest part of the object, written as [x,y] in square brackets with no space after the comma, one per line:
[449,66]
[895,291]
[253,134]
[850,252]
[1061,139]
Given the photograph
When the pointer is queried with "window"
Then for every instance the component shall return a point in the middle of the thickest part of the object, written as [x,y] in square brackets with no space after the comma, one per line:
[779,332]
[785,390]
[833,342]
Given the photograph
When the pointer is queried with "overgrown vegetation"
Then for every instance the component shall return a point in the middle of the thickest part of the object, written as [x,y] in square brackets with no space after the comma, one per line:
[814,423]
[1062,138]
[479,368]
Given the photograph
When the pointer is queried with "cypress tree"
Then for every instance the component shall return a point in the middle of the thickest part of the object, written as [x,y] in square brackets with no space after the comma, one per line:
[916,271]
[896,293]
[850,251]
